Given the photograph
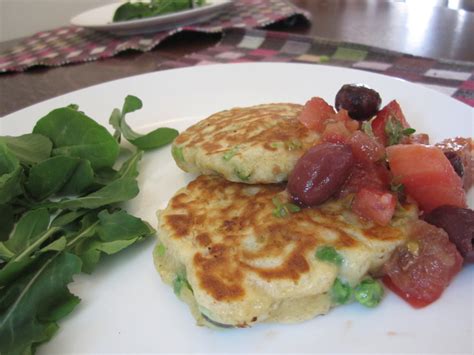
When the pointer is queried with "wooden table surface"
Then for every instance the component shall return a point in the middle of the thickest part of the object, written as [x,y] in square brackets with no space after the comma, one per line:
[432,32]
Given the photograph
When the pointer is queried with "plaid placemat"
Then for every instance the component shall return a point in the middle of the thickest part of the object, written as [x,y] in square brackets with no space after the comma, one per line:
[76,44]
[238,45]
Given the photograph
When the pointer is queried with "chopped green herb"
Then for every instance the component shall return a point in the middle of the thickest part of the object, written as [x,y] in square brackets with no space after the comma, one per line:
[293,144]
[283,209]
[292,207]
[160,250]
[341,292]
[177,153]
[398,188]
[395,131]
[369,292]
[179,282]
[276,144]
[329,254]
[241,175]
[230,153]
[367,128]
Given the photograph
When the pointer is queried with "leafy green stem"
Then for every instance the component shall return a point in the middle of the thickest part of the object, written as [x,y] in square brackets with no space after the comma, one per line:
[84,233]
[37,242]
[12,308]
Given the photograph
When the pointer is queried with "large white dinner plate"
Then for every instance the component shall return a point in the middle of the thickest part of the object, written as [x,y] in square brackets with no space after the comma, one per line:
[126,308]
[100,18]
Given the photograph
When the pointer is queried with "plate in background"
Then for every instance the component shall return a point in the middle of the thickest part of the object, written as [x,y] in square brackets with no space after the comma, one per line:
[100,18]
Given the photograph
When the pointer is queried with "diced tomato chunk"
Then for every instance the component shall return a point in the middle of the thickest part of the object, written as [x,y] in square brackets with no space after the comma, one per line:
[366,148]
[339,128]
[375,176]
[420,270]
[392,109]
[335,132]
[418,138]
[315,113]
[375,205]
[427,175]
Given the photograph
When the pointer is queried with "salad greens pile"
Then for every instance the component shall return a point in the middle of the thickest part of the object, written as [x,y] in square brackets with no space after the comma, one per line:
[60,187]
[142,9]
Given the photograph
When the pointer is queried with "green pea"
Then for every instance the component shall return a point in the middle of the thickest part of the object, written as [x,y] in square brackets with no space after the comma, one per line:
[341,292]
[177,153]
[329,254]
[179,282]
[369,292]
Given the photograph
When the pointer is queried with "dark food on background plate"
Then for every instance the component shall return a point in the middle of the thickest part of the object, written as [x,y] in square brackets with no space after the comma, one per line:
[353,208]
[135,10]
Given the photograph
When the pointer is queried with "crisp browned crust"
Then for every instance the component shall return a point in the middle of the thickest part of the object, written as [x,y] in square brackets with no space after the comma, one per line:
[232,231]
[230,142]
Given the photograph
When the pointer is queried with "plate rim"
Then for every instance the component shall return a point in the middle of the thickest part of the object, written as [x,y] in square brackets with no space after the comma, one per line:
[118,82]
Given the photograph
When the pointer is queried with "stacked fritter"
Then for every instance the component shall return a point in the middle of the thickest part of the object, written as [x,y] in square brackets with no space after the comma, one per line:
[235,248]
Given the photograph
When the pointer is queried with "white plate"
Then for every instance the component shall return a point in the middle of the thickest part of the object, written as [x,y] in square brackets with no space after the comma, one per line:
[101,18]
[126,308]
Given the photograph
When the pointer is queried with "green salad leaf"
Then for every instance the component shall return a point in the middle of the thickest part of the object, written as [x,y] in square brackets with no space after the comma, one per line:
[152,140]
[77,135]
[10,175]
[32,303]
[138,10]
[60,193]
[29,148]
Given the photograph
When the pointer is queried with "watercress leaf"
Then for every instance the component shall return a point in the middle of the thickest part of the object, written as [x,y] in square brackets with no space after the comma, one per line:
[10,175]
[115,246]
[89,255]
[87,230]
[121,226]
[29,148]
[131,104]
[130,167]
[67,217]
[5,253]
[114,120]
[6,221]
[129,11]
[105,176]
[81,179]
[156,139]
[75,134]
[13,268]
[28,229]
[119,190]
[57,245]
[49,176]
[24,257]
[34,298]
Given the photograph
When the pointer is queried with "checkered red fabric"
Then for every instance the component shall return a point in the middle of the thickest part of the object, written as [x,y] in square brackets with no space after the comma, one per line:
[452,78]
[76,44]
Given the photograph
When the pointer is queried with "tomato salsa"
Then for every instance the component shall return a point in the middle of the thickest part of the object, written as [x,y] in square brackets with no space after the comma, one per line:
[374,158]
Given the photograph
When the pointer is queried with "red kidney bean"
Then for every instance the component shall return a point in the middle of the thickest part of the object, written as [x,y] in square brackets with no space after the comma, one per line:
[459,224]
[320,173]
